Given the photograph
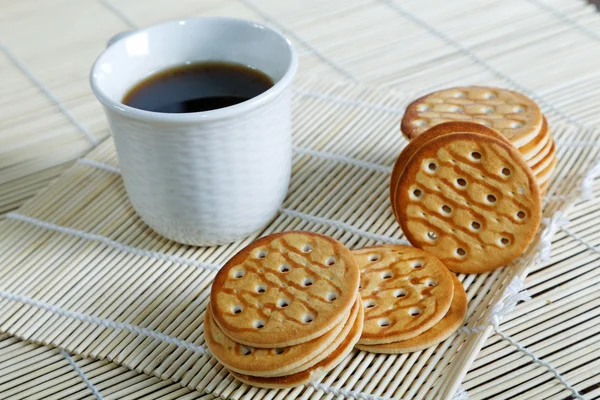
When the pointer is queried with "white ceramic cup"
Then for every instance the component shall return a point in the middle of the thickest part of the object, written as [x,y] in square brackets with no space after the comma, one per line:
[208,177]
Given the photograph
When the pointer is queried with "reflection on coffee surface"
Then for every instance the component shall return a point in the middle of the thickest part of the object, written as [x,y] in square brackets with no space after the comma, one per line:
[198,87]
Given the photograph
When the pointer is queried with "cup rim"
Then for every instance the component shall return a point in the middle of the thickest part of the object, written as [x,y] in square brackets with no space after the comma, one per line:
[219,113]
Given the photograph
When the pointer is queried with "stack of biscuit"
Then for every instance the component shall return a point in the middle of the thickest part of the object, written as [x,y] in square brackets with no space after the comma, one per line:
[411,300]
[285,310]
[464,193]
[514,115]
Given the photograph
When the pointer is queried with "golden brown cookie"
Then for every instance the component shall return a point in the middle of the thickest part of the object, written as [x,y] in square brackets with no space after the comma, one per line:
[545,162]
[314,372]
[285,289]
[544,187]
[356,309]
[512,114]
[271,362]
[436,334]
[405,292]
[544,175]
[438,130]
[537,143]
[470,200]
[542,153]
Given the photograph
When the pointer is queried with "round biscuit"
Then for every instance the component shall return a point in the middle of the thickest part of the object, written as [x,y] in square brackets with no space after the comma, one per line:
[536,144]
[544,188]
[261,361]
[284,289]
[405,291]
[272,362]
[436,334]
[438,130]
[544,175]
[470,200]
[316,371]
[512,114]
[542,153]
[543,163]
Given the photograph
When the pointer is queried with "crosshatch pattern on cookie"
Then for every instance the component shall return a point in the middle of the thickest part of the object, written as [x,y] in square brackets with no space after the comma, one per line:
[405,291]
[514,115]
[470,200]
[285,289]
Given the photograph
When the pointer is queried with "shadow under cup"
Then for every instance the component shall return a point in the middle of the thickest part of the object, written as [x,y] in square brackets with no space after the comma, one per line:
[209,177]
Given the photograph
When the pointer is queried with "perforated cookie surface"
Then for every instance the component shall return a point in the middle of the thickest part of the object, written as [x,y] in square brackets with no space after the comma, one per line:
[438,130]
[405,292]
[268,362]
[470,200]
[514,115]
[436,334]
[285,289]
[316,371]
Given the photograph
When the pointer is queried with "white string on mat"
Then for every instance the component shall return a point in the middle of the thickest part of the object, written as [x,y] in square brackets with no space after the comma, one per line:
[286,211]
[477,59]
[303,42]
[119,13]
[461,394]
[345,159]
[112,243]
[182,260]
[99,165]
[338,158]
[346,393]
[588,181]
[82,375]
[581,240]
[342,225]
[514,293]
[565,18]
[355,103]
[107,323]
[541,362]
[122,326]
[300,150]
[544,247]
[584,143]
[583,191]
[15,60]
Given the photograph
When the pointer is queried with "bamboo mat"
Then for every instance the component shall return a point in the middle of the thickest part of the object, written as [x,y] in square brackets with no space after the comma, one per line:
[30,371]
[546,49]
[82,272]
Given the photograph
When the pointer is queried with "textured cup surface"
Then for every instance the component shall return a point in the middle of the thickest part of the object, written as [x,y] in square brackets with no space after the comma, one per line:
[208,177]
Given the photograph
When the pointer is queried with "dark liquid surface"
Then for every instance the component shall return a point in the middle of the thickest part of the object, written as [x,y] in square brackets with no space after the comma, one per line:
[197,87]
